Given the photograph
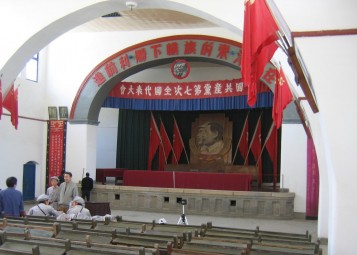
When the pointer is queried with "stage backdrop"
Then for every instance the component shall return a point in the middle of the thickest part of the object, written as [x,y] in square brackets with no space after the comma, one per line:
[134,134]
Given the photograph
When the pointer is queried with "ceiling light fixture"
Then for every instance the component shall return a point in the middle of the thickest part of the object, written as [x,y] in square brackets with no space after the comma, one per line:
[131,5]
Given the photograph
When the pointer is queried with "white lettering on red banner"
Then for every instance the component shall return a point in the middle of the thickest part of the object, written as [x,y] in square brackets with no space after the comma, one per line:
[55,148]
[185,90]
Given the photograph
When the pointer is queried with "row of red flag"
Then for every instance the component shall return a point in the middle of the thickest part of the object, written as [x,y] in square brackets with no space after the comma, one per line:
[259,46]
[10,103]
[256,146]
[159,140]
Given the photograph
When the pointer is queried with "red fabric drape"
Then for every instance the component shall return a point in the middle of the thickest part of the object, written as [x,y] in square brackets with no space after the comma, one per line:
[258,44]
[0,99]
[11,104]
[282,97]
[165,147]
[154,140]
[177,144]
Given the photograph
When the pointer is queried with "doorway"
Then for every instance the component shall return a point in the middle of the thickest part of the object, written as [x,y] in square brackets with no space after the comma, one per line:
[29,177]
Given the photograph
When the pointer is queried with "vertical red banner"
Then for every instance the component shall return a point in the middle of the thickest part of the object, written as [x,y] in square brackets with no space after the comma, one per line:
[312,189]
[56,145]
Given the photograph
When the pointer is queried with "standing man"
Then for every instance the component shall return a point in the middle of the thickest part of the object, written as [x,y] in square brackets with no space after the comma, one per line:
[11,202]
[87,186]
[53,192]
[68,191]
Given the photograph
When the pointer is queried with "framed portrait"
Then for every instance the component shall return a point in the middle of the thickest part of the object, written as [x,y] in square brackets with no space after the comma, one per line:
[52,113]
[63,112]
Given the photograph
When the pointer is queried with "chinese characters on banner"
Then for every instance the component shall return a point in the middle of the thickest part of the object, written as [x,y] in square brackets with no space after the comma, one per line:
[193,47]
[185,90]
[56,147]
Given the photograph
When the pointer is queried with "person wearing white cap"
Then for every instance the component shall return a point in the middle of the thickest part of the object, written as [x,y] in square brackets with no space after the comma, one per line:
[43,208]
[78,210]
[53,192]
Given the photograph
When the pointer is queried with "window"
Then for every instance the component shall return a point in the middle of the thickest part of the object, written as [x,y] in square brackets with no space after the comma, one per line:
[31,70]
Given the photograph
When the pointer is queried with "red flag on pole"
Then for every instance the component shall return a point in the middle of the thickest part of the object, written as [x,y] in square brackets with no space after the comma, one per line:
[154,140]
[177,144]
[256,150]
[10,103]
[243,141]
[282,97]
[0,99]
[259,35]
[256,142]
[271,144]
[165,147]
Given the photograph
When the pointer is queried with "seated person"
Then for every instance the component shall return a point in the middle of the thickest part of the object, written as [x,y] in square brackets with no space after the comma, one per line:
[43,208]
[77,209]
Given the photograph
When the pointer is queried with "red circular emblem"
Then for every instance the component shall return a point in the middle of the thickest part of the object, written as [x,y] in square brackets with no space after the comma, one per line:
[180,69]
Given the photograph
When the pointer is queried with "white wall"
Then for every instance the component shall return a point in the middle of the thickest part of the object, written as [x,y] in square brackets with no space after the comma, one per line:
[332,66]
[107,133]
[293,163]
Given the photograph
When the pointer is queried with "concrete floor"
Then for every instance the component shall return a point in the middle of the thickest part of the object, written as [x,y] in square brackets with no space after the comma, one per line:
[299,226]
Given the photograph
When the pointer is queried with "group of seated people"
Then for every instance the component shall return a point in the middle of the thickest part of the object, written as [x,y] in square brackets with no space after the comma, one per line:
[76,210]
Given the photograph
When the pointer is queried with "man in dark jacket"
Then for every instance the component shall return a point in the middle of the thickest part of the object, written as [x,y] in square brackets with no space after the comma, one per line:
[11,202]
[87,186]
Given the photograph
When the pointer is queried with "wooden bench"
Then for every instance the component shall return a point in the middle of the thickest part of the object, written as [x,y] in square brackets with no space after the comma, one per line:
[17,229]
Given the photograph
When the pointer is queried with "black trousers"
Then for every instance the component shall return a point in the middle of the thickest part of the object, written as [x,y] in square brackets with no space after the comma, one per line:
[86,195]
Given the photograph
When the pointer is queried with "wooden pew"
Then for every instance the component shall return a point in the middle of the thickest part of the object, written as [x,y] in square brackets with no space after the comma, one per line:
[89,247]
[17,229]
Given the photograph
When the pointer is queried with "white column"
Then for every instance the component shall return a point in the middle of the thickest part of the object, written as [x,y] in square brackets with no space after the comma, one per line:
[81,150]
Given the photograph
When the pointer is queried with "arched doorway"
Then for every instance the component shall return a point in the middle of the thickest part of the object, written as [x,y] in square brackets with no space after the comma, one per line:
[29,178]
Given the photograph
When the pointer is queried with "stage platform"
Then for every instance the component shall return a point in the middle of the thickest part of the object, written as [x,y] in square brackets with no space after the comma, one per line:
[226,203]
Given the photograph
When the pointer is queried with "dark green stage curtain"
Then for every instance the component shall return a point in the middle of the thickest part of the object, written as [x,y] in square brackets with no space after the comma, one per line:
[133,139]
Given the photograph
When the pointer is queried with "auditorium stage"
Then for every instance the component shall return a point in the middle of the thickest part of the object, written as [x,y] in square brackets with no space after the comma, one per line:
[226,203]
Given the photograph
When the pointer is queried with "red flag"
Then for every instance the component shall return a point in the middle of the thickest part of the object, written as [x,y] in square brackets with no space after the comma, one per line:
[282,97]
[154,140]
[256,142]
[243,141]
[259,35]
[271,145]
[165,147]
[178,144]
[256,149]
[0,99]
[10,103]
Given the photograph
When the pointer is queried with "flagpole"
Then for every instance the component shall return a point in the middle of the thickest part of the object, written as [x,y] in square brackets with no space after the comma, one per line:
[240,138]
[184,149]
[162,144]
[251,142]
[266,140]
[173,152]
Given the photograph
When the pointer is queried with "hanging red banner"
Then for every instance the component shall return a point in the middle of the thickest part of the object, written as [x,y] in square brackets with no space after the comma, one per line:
[56,148]
[312,189]
[184,90]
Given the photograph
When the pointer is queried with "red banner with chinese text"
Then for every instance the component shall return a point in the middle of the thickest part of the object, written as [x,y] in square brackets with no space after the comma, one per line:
[184,90]
[312,183]
[56,147]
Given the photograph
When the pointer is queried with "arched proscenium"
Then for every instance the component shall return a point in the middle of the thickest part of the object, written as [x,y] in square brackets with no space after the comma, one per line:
[111,71]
